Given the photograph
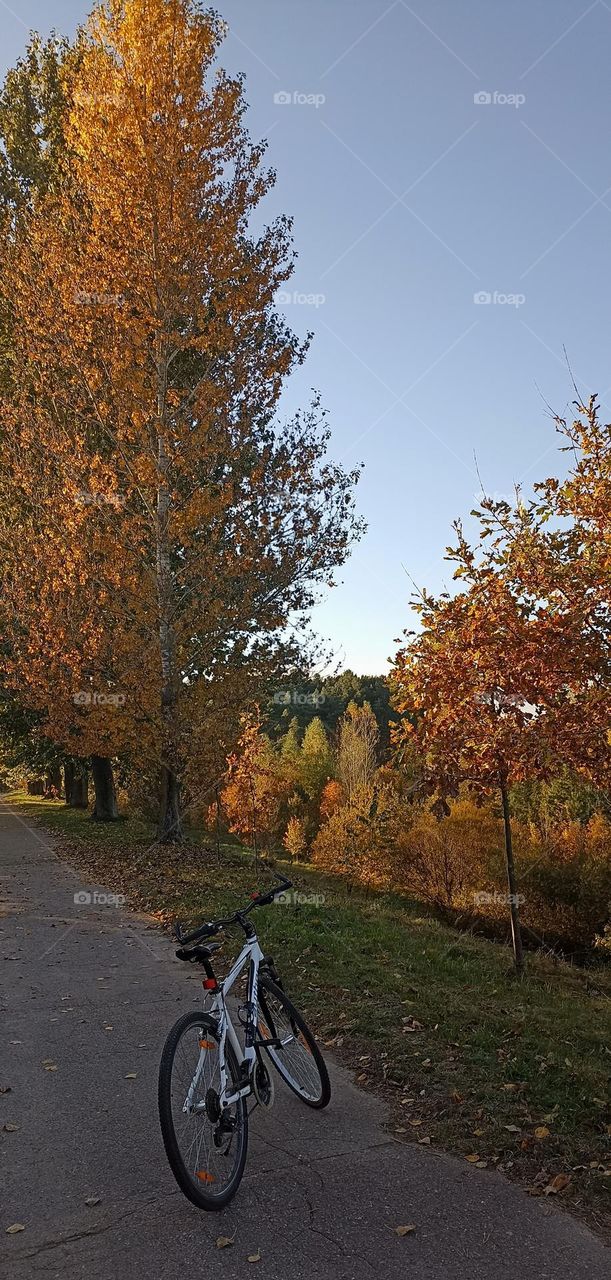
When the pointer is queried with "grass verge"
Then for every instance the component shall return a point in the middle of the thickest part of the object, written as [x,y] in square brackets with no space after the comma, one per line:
[512,1076]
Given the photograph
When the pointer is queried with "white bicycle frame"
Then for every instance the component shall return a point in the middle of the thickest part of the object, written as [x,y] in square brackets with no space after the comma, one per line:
[252,955]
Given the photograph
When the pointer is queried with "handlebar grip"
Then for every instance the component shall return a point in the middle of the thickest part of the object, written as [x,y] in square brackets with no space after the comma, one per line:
[204,931]
[286,884]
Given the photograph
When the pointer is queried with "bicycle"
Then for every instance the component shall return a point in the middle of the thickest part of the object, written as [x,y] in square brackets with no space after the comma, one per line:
[206,1077]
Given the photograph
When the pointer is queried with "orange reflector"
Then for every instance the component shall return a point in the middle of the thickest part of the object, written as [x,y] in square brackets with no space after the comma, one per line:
[206,1044]
[204,1176]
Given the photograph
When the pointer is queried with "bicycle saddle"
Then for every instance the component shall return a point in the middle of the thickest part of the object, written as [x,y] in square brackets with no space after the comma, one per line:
[198,954]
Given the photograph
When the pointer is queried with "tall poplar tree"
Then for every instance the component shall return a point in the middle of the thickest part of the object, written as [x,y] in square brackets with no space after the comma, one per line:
[147,371]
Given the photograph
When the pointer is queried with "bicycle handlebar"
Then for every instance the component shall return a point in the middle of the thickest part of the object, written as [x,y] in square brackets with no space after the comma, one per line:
[214,926]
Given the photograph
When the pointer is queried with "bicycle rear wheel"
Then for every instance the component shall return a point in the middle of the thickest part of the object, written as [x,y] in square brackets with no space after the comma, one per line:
[297,1059]
[206,1148]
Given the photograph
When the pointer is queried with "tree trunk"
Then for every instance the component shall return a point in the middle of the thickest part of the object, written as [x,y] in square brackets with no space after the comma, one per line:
[53,782]
[516,932]
[36,787]
[80,789]
[76,784]
[68,781]
[169,827]
[105,806]
[218,825]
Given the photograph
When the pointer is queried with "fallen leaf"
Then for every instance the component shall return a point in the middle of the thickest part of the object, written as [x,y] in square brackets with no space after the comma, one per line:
[14,1228]
[424,1142]
[9,1127]
[512,1128]
[477,1133]
[405,1231]
[91,1200]
[557,1184]
[223,1242]
[400,1129]
[415,1123]
[132,1075]
[542,1131]
[5,1088]
[473,1159]
[254,1257]
[412,1024]
[482,1164]
[456,1096]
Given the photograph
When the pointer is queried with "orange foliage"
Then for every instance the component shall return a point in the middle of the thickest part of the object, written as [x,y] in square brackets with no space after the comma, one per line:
[167,532]
[332,797]
[256,794]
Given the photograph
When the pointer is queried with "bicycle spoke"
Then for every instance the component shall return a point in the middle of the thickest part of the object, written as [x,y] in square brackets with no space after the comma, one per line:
[208,1162]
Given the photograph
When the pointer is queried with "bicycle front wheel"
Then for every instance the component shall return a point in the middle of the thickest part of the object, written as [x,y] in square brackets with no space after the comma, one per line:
[206,1147]
[297,1058]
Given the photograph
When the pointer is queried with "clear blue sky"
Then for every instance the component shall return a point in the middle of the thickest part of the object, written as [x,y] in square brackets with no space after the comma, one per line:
[409,198]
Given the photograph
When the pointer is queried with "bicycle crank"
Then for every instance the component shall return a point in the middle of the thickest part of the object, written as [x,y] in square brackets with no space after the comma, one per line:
[263,1085]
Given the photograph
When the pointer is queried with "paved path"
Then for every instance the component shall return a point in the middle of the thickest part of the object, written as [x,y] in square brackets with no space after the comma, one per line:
[322,1193]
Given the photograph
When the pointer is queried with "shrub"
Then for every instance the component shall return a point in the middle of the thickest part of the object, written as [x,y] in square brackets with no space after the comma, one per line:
[447,862]
[295,841]
[355,841]
[456,864]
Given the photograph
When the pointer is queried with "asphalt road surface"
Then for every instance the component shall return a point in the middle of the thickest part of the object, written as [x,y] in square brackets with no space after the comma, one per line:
[88,995]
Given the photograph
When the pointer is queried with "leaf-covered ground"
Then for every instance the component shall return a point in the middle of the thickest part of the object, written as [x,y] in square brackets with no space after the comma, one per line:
[511,1076]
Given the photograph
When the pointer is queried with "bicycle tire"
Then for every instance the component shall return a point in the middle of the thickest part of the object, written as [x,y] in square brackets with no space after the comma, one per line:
[185,1178]
[290,1065]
